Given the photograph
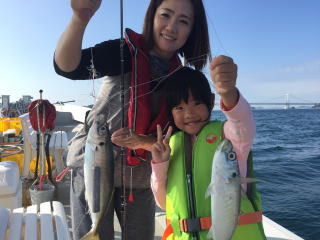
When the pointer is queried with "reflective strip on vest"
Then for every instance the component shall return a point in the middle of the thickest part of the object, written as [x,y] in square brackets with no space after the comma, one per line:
[205,222]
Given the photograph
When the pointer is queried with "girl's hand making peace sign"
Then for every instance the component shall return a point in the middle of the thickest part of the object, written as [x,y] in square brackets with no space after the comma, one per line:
[161,149]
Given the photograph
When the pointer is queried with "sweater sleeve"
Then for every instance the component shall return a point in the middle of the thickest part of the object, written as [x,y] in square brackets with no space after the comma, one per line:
[106,60]
[159,182]
[240,129]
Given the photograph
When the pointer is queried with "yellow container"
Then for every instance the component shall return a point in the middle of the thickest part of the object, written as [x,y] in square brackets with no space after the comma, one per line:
[15,123]
[4,124]
[19,159]
[33,165]
[11,123]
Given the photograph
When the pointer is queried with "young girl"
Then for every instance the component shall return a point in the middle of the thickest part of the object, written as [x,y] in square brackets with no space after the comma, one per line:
[181,169]
[171,27]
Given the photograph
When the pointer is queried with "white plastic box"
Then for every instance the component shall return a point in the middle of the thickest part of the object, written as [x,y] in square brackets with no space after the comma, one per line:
[10,185]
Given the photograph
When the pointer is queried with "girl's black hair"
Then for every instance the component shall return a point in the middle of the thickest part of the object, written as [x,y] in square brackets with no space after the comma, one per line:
[178,85]
[196,50]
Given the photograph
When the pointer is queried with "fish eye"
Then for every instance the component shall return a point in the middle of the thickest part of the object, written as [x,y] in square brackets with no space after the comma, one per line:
[234,175]
[232,156]
[102,130]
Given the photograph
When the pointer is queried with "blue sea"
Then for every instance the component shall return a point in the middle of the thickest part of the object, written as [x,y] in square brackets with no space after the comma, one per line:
[286,154]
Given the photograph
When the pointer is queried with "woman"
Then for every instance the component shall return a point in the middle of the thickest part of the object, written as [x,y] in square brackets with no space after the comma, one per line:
[171,27]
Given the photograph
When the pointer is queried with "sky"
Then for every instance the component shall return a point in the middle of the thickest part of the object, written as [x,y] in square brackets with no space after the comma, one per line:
[275,43]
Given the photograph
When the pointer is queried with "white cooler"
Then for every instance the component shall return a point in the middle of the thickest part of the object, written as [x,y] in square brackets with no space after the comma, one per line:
[10,185]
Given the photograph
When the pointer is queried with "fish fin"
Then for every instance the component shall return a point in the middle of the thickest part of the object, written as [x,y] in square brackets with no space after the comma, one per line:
[225,178]
[243,193]
[209,190]
[210,233]
[250,180]
[91,236]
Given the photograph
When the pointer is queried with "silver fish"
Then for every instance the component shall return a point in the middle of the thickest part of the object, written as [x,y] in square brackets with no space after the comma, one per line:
[98,173]
[225,192]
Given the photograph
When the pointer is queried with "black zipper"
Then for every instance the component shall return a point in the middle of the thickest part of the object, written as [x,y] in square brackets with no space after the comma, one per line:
[188,164]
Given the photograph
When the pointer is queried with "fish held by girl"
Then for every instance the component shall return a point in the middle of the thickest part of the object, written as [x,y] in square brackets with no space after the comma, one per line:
[225,191]
[98,173]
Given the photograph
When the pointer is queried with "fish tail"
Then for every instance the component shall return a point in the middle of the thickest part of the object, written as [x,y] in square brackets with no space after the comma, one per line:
[209,190]
[91,236]
[210,234]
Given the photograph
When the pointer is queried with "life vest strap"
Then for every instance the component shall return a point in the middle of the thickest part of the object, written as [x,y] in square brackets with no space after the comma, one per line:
[167,232]
[194,224]
[250,218]
[204,223]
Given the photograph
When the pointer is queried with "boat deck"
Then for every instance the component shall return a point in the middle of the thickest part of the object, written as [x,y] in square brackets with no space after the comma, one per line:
[70,123]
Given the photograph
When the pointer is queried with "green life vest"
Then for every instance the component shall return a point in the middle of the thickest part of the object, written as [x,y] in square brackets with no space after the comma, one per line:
[177,203]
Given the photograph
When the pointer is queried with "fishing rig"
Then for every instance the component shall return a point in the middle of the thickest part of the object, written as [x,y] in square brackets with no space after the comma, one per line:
[42,116]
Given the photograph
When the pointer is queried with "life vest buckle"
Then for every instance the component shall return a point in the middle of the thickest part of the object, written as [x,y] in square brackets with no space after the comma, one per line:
[190,225]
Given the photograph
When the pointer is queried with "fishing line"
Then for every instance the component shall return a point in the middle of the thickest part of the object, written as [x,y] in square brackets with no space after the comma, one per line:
[198,58]
[93,76]
[116,107]
[217,36]
[159,80]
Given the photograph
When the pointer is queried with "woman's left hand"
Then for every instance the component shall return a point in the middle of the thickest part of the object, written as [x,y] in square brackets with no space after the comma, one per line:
[125,137]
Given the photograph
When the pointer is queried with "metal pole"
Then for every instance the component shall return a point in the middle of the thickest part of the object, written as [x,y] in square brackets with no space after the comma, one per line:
[42,160]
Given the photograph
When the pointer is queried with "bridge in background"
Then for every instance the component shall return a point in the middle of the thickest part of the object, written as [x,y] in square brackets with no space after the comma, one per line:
[287,104]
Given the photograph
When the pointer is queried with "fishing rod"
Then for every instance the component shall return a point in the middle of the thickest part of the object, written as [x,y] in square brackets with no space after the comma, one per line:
[123,189]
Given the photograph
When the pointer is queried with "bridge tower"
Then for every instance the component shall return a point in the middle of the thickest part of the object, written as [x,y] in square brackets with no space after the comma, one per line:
[287,103]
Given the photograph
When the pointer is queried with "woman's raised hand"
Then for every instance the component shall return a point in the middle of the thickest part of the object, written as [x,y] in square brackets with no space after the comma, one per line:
[84,9]
[161,149]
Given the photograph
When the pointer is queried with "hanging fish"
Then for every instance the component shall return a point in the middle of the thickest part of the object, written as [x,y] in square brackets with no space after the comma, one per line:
[98,173]
[225,192]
